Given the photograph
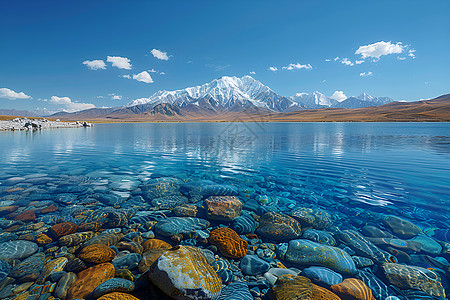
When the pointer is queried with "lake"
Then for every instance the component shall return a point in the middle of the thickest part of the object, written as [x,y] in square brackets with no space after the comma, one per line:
[359,173]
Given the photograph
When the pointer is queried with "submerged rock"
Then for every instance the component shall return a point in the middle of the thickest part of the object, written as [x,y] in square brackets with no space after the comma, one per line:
[411,277]
[401,228]
[228,242]
[5,269]
[113,285]
[363,247]
[183,273]
[311,217]
[89,279]
[244,224]
[176,225]
[322,276]
[237,290]
[169,202]
[305,252]
[319,236]
[352,288]
[64,284]
[428,245]
[223,208]
[292,287]
[97,253]
[253,265]
[279,227]
[62,229]
[380,290]
[17,249]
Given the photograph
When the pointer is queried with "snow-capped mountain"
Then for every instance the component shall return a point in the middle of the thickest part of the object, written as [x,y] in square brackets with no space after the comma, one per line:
[314,100]
[319,100]
[363,100]
[225,92]
[239,94]
[365,97]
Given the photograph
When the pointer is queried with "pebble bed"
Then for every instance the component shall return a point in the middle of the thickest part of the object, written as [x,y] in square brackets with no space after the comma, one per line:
[185,236]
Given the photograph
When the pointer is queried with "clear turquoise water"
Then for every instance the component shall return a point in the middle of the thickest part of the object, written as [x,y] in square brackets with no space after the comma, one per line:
[387,167]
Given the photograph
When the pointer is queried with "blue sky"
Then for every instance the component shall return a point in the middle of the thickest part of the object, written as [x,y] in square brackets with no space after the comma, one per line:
[44,45]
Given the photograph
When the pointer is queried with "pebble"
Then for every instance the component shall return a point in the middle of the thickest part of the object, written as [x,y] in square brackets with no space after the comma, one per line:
[113,285]
[322,276]
[237,290]
[97,253]
[64,284]
[17,249]
[176,225]
[30,268]
[179,271]
[5,269]
[253,265]
[89,279]
[129,261]
[229,243]
[305,252]
[277,226]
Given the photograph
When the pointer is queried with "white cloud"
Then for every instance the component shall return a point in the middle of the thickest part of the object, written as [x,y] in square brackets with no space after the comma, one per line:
[366,74]
[401,58]
[143,77]
[68,105]
[119,62]
[273,69]
[358,62]
[153,71]
[347,62]
[252,72]
[411,53]
[159,54]
[327,59]
[376,50]
[336,58]
[11,95]
[115,96]
[125,76]
[297,66]
[162,73]
[95,64]
[339,96]
[323,81]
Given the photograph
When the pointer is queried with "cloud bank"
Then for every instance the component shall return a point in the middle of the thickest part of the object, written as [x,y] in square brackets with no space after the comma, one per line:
[143,77]
[119,62]
[69,106]
[159,54]
[96,64]
[339,96]
[12,95]
[297,66]
[376,50]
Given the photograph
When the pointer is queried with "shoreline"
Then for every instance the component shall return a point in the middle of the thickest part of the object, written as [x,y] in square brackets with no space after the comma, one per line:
[25,124]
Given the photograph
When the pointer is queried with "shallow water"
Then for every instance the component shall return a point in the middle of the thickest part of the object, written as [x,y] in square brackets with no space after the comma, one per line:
[378,164]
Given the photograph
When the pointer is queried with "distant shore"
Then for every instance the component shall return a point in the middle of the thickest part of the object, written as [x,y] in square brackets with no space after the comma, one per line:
[9,123]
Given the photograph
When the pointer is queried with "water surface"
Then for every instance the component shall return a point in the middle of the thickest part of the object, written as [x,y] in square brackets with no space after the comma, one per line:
[388,167]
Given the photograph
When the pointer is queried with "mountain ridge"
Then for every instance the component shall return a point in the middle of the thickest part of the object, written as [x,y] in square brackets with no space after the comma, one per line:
[432,110]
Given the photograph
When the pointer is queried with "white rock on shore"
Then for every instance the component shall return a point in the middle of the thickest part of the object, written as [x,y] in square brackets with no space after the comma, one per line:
[37,124]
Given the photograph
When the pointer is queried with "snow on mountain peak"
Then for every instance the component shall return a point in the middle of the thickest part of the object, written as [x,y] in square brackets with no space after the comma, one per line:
[365,97]
[314,100]
[226,91]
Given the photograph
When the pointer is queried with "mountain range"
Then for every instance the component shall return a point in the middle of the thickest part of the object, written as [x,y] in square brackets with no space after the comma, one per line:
[246,99]
[224,96]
